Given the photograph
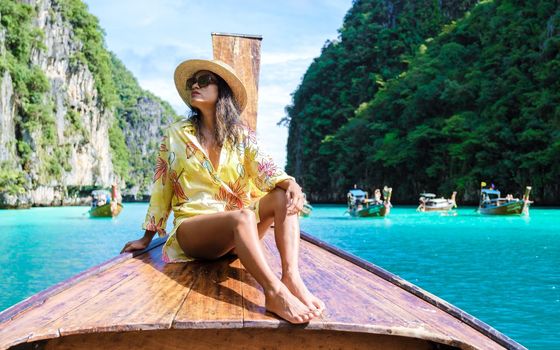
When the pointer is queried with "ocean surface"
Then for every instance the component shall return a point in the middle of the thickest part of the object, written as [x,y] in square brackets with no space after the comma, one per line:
[503,270]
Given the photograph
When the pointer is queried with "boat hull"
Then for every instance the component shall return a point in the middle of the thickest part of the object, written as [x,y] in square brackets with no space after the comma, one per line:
[105,211]
[438,208]
[234,339]
[93,310]
[511,208]
[372,211]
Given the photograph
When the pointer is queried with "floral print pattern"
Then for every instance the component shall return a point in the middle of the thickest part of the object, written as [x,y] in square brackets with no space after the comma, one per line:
[233,196]
[152,226]
[163,146]
[267,167]
[161,170]
[177,188]
[186,182]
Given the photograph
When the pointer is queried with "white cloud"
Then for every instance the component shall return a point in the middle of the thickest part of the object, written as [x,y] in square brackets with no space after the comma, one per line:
[276,95]
[273,58]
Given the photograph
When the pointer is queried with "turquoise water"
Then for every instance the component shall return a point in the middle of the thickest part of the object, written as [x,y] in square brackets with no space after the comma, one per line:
[503,270]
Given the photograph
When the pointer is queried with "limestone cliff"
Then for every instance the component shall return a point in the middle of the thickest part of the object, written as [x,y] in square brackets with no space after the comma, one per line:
[60,127]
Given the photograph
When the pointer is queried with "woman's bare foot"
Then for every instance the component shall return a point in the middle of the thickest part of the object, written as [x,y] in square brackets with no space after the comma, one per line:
[297,287]
[286,305]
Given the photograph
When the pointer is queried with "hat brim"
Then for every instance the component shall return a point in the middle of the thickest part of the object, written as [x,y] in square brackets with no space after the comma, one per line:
[188,68]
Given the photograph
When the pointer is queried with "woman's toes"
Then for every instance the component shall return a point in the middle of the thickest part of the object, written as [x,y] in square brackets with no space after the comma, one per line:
[319,305]
[316,312]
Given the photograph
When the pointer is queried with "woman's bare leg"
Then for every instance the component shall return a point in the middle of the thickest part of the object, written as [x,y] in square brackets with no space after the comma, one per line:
[212,236]
[272,207]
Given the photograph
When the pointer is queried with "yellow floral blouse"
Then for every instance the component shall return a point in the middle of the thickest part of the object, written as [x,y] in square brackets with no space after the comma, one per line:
[185,180]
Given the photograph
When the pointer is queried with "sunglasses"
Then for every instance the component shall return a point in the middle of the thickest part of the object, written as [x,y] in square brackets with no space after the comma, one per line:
[203,81]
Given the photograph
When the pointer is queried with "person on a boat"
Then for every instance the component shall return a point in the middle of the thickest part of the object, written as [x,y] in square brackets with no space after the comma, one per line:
[377,197]
[207,168]
[100,200]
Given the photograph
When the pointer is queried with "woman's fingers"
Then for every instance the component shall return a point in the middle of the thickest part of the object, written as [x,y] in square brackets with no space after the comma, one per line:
[125,247]
[129,247]
[289,198]
[296,203]
[300,202]
[295,206]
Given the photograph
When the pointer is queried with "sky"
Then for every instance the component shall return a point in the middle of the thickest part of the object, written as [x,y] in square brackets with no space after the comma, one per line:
[153,37]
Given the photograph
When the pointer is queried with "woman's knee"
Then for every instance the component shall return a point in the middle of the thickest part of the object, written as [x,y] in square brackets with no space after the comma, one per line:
[278,195]
[245,217]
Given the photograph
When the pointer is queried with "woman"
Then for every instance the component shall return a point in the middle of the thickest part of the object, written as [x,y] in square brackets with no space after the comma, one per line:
[207,169]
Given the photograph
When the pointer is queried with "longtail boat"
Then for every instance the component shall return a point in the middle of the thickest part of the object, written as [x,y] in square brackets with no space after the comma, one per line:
[136,301]
[105,204]
[491,203]
[360,205]
[429,202]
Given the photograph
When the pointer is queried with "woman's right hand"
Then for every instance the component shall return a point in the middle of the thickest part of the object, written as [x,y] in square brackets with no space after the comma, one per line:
[138,244]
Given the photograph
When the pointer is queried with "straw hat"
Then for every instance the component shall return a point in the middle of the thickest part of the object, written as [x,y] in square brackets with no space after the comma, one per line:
[188,68]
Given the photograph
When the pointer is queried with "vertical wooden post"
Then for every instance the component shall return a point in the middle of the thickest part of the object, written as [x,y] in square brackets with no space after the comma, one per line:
[243,54]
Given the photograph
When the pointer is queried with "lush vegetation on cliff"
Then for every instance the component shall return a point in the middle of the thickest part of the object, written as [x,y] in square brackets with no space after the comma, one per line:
[140,158]
[35,126]
[429,105]
[118,90]
[35,123]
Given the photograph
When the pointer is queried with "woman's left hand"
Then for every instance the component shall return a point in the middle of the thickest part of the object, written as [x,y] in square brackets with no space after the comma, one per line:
[294,197]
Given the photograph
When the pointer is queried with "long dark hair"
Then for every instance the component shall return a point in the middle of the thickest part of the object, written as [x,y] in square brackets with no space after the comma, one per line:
[229,125]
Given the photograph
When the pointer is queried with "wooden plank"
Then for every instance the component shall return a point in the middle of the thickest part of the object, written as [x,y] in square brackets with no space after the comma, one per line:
[464,317]
[215,299]
[329,285]
[348,302]
[403,303]
[367,309]
[40,297]
[363,313]
[22,325]
[243,54]
[307,273]
[149,300]
[139,266]
[254,310]
[237,339]
[396,319]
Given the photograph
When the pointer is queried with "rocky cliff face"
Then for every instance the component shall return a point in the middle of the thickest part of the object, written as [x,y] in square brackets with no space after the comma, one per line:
[73,89]
[81,120]
[7,111]
[143,137]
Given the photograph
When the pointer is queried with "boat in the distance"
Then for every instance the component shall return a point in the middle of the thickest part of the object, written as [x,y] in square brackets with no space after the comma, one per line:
[105,203]
[491,203]
[429,202]
[360,205]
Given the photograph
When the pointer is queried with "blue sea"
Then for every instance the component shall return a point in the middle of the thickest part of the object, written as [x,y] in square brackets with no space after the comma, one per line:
[503,270]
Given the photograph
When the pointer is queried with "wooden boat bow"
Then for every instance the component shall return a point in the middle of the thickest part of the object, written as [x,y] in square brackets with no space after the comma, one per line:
[135,300]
